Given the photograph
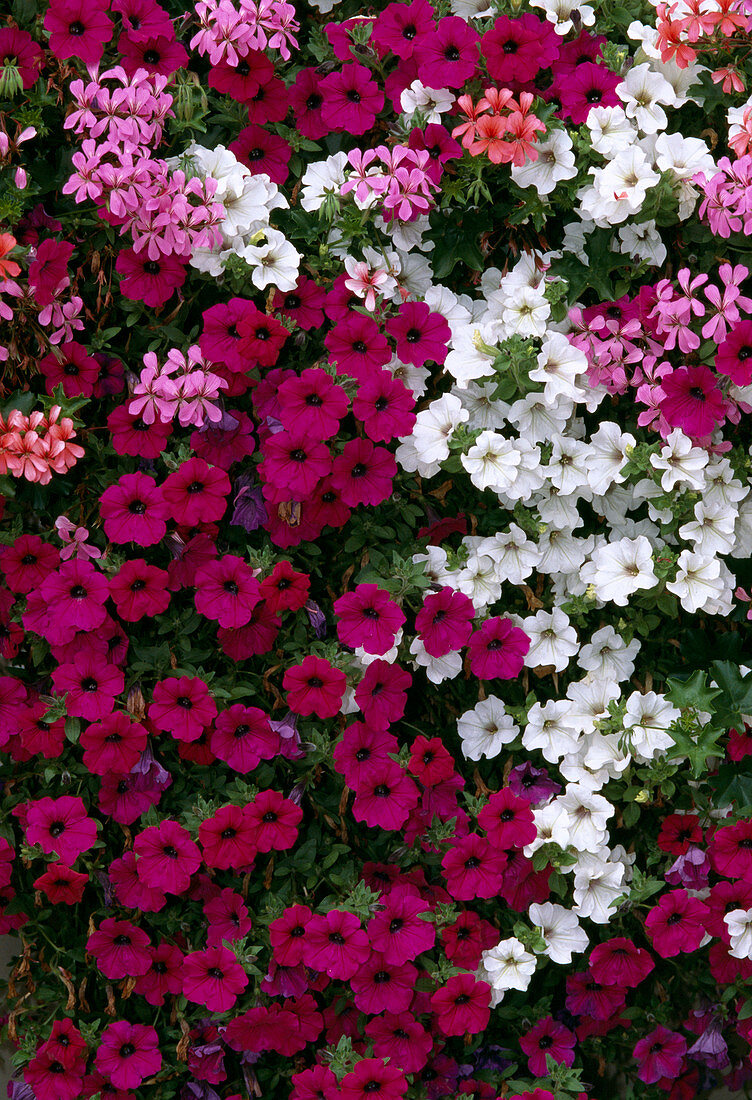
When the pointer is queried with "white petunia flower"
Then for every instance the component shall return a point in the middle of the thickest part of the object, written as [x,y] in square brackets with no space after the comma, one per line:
[560,363]
[560,929]
[588,814]
[648,717]
[526,312]
[434,427]
[739,925]
[431,102]
[642,92]
[607,456]
[274,260]
[492,462]
[509,965]
[597,885]
[437,669]
[553,640]
[712,530]
[513,554]
[562,13]
[683,464]
[552,824]
[698,580]
[643,242]
[322,178]
[619,569]
[607,654]
[611,131]
[486,729]
[551,729]
[555,162]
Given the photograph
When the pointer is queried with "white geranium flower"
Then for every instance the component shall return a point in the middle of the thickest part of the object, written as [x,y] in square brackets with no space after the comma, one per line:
[642,92]
[486,729]
[553,639]
[739,924]
[555,162]
[509,965]
[560,929]
[619,569]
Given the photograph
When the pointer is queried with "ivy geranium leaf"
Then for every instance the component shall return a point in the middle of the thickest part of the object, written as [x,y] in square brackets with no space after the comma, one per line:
[737,692]
[697,743]
[732,786]
[693,692]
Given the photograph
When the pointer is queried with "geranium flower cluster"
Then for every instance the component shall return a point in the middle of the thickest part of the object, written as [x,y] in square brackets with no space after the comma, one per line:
[376,706]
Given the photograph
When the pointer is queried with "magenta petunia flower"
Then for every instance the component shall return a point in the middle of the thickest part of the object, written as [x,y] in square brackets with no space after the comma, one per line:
[473,868]
[213,978]
[287,935]
[382,986]
[336,944]
[462,1005]
[444,623]
[243,80]
[307,101]
[134,510]
[273,820]
[676,923]
[27,56]
[381,694]
[77,592]
[53,1079]
[385,407]
[119,948]
[166,857]
[129,890]
[164,976]
[620,962]
[402,28]
[400,1038]
[228,839]
[372,1077]
[397,930]
[113,745]
[352,99]
[734,356]
[312,403]
[226,591]
[131,435]
[127,1053]
[158,53]
[368,617]
[363,473]
[294,463]
[517,50]
[547,1039]
[589,86]
[152,282]
[196,493]
[139,590]
[182,706]
[71,366]
[385,796]
[304,304]
[660,1054]
[242,737]
[78,28]
[27,562]
[314,687]
[261,151]
[360,749]
[692,401]
[60,825]
[448,56]
[356,346]
[421,335]
[228,918]
[497,650]
[508,820]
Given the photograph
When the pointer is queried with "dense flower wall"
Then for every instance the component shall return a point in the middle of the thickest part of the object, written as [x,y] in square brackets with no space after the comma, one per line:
[375,574]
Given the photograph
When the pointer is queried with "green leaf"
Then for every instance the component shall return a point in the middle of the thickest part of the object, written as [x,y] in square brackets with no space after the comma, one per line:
[693,692]
[737,692]
[697,743]
[732,786]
